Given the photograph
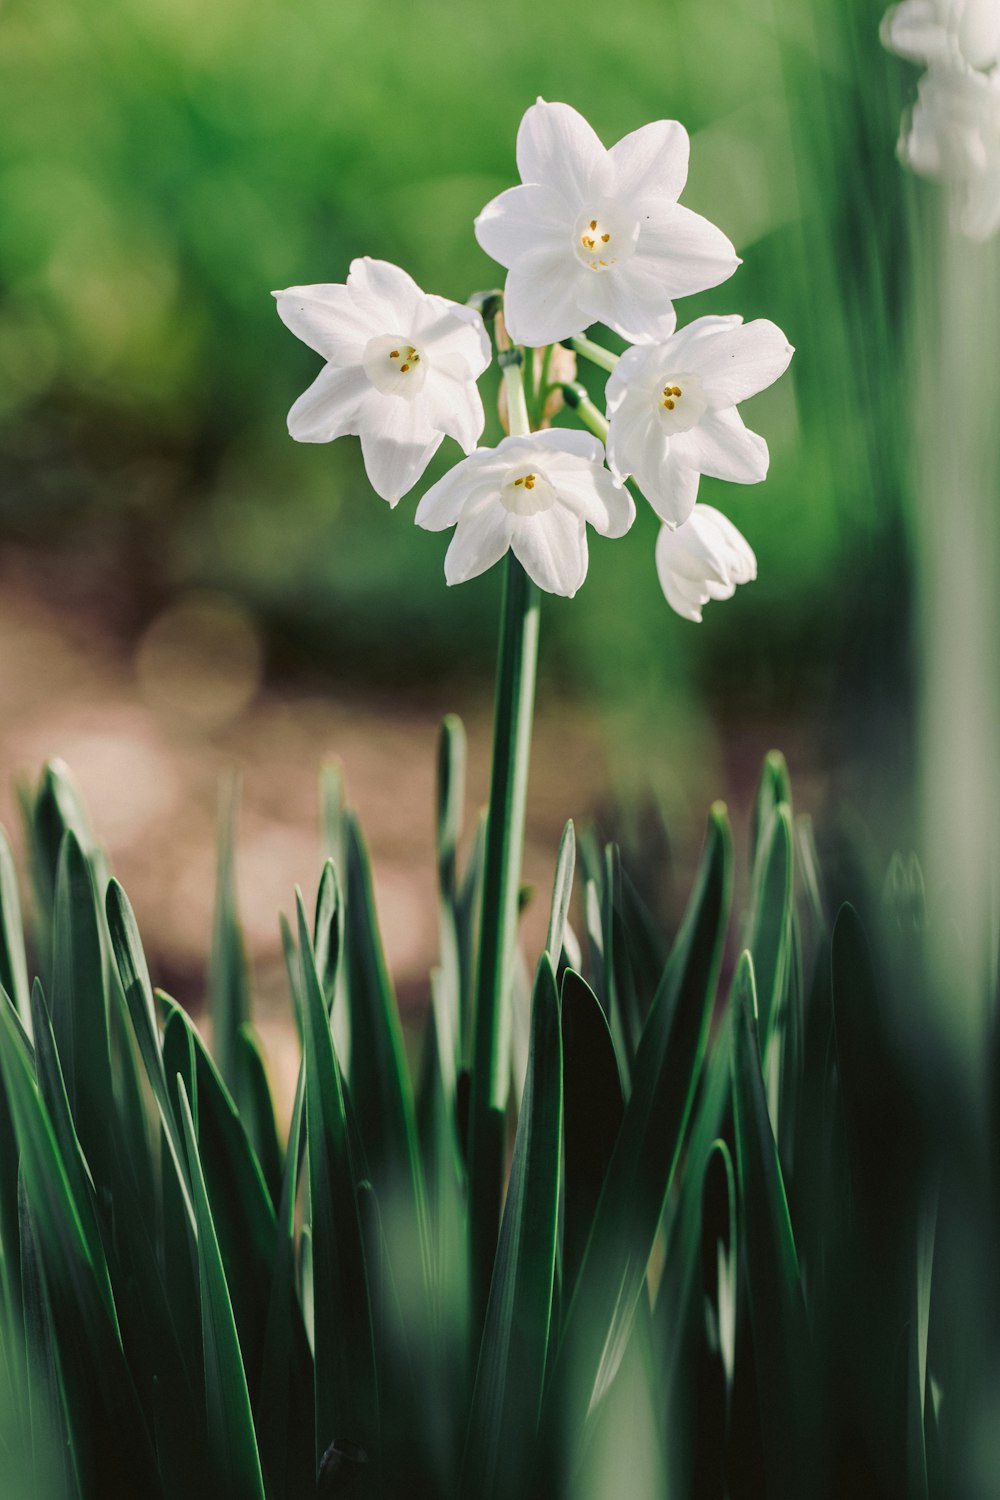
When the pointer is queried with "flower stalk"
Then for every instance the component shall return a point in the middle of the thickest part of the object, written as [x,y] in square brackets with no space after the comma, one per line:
[576,397]
[515,698]
[596,353]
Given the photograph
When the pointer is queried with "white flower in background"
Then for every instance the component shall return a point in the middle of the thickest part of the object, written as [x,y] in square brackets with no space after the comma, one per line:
[672,409]
[533,495]
[966,31]
[597,236]
[401,370]
[953,131]
[703,559]
[953,135]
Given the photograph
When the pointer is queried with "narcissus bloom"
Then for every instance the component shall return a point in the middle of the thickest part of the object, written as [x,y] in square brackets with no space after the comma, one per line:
[534,495]
[942,30]
[672,409]
[401,370]
[597,236]
[703,559]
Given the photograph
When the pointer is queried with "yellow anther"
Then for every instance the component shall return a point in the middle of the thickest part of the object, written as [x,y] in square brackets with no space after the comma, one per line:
[675,390]
[586,242]
[393,353]
[593,223]
[517,482]
[529,481]
[605,238]
[404,368]
[669,404]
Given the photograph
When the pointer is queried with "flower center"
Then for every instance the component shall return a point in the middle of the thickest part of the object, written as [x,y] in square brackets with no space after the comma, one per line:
[394,365]
[527,492]
[603,236]
[680,402]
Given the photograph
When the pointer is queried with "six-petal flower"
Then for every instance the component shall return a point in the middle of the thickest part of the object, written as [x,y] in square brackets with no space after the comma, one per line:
[597,236]
[703,559]
[672,409]
[533,495]
[401,370]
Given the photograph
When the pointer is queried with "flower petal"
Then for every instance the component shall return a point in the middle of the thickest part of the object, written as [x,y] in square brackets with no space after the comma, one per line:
[481,538]
[450,332]
[463,488]
[651,162]
[329,318]
[388,290]
[565,440]
[453,406]
[637,443]
[552,549]
[682,250]
[524,219]
[557,147]
[594,494]
[721,446]
[632,300]
[541,299]
[330,407]
[397,444]
[738,360]
[672,490]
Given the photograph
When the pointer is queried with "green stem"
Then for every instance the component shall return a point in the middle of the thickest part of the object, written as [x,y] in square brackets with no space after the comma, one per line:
[515,697]
[593,419]
[596,353]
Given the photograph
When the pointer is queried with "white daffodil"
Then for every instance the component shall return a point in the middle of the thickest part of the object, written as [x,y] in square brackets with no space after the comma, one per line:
[953,135]
[930,31]
[401,370]
[703,559]
[533,495]
[672,409]
[597,236]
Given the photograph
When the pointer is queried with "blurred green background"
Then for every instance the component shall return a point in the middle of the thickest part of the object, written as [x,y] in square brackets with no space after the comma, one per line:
[165,163]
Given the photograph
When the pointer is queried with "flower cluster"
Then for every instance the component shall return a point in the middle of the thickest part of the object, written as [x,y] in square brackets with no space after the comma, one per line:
[590,235]
[952,132]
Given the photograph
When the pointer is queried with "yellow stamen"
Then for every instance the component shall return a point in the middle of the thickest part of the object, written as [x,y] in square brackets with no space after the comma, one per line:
[605,238]
[593,223]
[393,353]
[669,404]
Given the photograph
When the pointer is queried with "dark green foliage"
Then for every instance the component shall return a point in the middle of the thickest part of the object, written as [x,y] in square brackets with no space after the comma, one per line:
[740,1240]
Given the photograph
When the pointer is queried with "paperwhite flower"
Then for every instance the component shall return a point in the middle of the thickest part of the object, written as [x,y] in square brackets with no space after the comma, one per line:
[966,31]
[597,236]
[672,409]
[401,370]
[703,559]
[534,495]
[953,135]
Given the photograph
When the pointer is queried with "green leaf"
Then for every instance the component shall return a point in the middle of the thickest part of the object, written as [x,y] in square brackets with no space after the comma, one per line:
[770,924]
[346,1392]
[777,1309]
[562,891]
[13,964]
[138,991]
[512,1360]
[773,789]
[648,1147]
[230,1422]
[79,1011]
[228,983]
[381,1093]
[257,1113]
[593,1110]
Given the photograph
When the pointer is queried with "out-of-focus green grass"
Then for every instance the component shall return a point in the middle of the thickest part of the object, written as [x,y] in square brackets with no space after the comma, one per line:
[165,163]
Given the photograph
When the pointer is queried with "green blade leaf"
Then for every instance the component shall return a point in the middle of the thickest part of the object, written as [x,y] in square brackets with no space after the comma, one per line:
[648,1147]
[562,891]
[770,925]
[346,1392]
[511,1371]
[79,1011]
[230,1422]
[13,964]
[594,1106]
[228,983]
[777,1308]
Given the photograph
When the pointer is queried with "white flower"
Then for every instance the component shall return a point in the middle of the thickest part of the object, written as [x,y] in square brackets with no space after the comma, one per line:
[953,134]
[401,370]
[533,495]
[703,559]
[964,31]
[597,236]
[672,409]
